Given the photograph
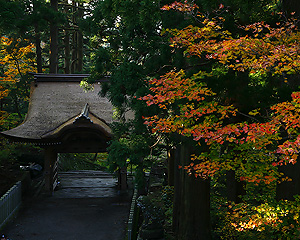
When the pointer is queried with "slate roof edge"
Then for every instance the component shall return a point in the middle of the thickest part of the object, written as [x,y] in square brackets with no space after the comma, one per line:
[42,77]
[35,141]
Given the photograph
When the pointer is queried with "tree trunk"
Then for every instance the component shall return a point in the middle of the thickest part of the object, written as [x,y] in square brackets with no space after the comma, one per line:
[74,39]
[53,68]
[122,178]
[177,190]
[234,188]
[38,50]
[74,52]
[191,214]
[171,167]
[67,44]
[79,64]
[141,179]
[1,104]
[17,109]
[287,189]
[67,52]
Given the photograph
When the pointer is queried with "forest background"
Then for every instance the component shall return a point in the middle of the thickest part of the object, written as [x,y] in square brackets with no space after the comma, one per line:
[214,87]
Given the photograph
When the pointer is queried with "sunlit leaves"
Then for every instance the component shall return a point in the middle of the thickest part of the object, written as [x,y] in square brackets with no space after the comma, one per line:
[262,47]
[181,7]
[279,220]
[16,60]
[194,109]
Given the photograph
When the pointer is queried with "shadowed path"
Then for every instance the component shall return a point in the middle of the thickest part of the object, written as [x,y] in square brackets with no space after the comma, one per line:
[86,206]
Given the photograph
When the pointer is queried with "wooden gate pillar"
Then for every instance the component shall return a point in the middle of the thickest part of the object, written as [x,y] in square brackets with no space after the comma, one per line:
[50,169]
[122,178]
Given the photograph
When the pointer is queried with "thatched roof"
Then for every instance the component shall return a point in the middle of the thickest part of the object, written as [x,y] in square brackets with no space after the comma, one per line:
[58,103]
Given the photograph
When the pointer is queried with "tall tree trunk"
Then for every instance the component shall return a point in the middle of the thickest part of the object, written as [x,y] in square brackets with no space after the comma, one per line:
[67,43]
[17,109]
[67,52]
[234,188]
[74,39]
[191,214]
[79,64]
[38,49]
[74,52]
[178,185]
[288,189]
[1,104]
[53,68]
[171,167]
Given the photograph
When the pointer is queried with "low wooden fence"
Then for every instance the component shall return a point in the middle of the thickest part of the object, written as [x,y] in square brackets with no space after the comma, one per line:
[132,222]
[10,203]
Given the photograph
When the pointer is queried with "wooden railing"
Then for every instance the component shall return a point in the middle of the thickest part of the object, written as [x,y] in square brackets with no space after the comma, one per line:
[55,176]
[131,232]
[10,203]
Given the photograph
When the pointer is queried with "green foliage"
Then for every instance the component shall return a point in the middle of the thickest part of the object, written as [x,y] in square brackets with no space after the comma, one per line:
[19,17]
[22,154]
[167,196]
[126,151]
[153,208]
[273,220]
[128,47]
[9,11]
[5,155]
[126,37]
[258,216]
[243,11]
[157,208]
[118,153]
[82,161]
[9,121]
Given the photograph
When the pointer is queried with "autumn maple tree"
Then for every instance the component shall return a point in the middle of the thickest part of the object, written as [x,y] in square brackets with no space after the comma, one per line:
[17,60]
[253,144]
[263,49]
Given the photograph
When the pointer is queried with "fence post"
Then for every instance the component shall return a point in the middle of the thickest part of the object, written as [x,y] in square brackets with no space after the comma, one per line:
[10,203]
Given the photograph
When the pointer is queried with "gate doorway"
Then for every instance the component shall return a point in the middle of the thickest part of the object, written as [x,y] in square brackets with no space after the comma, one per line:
[84,175]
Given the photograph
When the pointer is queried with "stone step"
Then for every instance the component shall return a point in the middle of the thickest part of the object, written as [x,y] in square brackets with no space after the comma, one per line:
[85,174]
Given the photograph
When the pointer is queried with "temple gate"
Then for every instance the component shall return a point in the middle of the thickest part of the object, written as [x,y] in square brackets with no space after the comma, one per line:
[63,118]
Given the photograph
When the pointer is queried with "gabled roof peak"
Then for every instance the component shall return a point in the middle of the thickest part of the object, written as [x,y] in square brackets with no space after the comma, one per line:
[84,115]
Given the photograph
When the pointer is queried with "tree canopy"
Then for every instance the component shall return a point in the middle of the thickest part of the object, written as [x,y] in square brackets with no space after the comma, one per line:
[214,84]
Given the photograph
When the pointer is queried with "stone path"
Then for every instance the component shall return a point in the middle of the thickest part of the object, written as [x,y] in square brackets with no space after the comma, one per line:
[86,184]
[86,205]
